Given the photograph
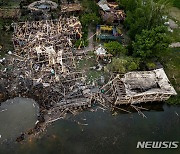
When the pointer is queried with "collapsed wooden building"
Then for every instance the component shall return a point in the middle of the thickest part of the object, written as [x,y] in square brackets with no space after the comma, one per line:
[138,87]
[110,12]
[47,44]
[45,55]
[45,50]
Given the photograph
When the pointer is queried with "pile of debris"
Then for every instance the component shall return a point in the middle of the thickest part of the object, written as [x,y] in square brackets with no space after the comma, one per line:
[73,7]
[43,67]
[110,12]
[10,13]
[46,46]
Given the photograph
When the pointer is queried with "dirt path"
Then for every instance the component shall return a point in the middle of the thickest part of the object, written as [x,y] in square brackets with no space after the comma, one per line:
[175,13]
[90,46]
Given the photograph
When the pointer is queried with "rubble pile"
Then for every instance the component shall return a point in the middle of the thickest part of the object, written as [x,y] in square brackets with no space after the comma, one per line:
[43,67]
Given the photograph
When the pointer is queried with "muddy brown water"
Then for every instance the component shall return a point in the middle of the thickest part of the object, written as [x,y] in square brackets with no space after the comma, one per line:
[102,133]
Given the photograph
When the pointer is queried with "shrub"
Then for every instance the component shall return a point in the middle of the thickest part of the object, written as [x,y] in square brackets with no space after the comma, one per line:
[115,48]
[123,64]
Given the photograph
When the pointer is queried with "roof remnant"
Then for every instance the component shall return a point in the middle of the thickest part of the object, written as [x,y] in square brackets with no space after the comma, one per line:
[137,87]
[103,5]
[104,32]
[110,12]
[100,51]
[71,7]
[42,5]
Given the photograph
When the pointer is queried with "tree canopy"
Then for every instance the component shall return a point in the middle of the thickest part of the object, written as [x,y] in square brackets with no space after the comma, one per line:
[151,43]
[115,48]
[143,14]
[89,18]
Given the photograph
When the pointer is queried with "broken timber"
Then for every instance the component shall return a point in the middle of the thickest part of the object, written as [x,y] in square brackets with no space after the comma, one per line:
[137,87]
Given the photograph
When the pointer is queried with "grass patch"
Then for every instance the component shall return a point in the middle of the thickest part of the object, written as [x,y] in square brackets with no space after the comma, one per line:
[171,63]
[93,75]
[86,64]
[175,35]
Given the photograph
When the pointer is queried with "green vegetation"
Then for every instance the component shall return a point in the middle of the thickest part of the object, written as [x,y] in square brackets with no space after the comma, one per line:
[171,63]
[151,65]
[151,43]
[143,15]
[5,35]
[115,48]
[123,64]
[90,6]
[90,18]
[9,3]
[82,43]
[176,3]
[86,65]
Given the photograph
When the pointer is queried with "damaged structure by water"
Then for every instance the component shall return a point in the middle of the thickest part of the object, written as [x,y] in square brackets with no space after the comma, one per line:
[43,67]
[138,87]
[45,50]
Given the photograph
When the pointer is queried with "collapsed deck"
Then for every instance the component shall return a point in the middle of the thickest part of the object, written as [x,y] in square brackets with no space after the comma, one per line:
[137,87]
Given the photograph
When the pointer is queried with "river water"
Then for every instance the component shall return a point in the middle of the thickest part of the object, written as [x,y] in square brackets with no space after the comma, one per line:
[16,116]
[103,132]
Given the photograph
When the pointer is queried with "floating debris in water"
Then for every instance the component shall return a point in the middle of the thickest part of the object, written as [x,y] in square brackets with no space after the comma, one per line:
[176,113]
[3,110]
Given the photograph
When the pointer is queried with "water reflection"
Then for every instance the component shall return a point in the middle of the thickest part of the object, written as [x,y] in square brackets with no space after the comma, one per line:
[101,133]
[16,116]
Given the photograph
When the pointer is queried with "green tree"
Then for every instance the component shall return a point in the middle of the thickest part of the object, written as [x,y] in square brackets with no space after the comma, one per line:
[151,43]
[90,6]
[90,18]
[143,14]
[115,48]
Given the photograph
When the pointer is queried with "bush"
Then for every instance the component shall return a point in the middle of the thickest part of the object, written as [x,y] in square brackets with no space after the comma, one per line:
[151,43]
[115,48]
[151,65]
[123,64]
[82,42]
[90,18]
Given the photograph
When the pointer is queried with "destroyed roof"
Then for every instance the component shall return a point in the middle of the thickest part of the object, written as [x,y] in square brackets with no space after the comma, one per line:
[110,11]
[9,13]
[147,82]
[42,5]
[47,44]
[103,5]
[71,7]
[100,51]
[28,35]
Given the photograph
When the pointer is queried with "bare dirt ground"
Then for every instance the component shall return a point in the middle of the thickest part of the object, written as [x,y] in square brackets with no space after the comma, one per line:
[175,13]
